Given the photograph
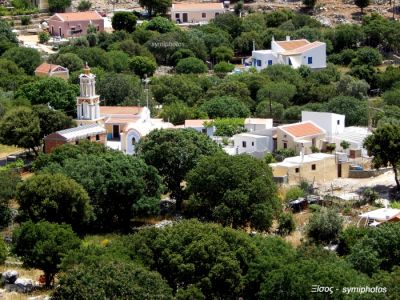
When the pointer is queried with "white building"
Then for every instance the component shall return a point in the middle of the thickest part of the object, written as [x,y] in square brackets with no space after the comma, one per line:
[256,124]
[125,125]
[332,123]
[256,143]
[355,136]
[201,126]
[291,52]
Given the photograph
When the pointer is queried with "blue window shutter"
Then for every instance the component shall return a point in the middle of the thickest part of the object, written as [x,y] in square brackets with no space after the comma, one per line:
[310,60]
[290,62]
[270,62]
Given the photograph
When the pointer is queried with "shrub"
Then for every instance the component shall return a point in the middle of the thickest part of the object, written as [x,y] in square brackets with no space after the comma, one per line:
[223,67]
[44,37]
[191,65]
[294,193]
[25,20]
[324,227]
[286,224]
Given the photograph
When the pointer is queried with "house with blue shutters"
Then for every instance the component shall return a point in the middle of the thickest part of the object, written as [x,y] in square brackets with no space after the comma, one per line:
[294,53]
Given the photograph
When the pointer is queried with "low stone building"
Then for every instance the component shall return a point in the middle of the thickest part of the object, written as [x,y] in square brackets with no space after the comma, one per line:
[316,167]
[50,70]
[91,132]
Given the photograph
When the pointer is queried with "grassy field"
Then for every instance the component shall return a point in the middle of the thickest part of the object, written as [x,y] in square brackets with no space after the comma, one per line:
[7,150]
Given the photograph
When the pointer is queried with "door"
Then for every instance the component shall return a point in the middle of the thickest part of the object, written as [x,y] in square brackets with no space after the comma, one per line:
[184,17]
[339,170]
[116,131]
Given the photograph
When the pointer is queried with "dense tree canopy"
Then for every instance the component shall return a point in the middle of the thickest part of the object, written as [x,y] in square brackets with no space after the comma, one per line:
[26,58]
[225,107]
[54,198]
[174,153]
[116,183]
[234,191]
[42,246]
[155,7]
[123,20]
[52,91]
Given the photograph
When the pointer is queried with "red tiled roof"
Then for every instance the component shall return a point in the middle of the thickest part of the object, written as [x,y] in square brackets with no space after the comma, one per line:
[121,120]
[197,6]
[46,68]
[302,129]
[80,16]
[291,45]
[120,110]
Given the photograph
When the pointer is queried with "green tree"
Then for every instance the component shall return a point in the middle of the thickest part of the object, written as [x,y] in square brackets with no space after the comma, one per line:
[207,256]
[84,5]
[160,24]
[51,120]
[368,56]
[142,66]
[324,226]
[223,67]
[235,191]
[107,279]
[294,193]
[286,224]
[26,58]
[44,37]
[59,5]
[384,145]
[364,257]
[43,245]
[155,7]
[123,20]
[54,198]
[177,112]
[53,91]
[115,182]
[355,110]
[191,65]
[349,237]
[8,185]
[362,4]
[225,107]
[392,97]
[222,53]
[345,145]
[117,88]
[350,86]
[180,54]
[94,56]
[232,87]
[280,92]
[229,22]
[347,36]
[174,153]
[263,110]
[70,61]
[119,61]
[20,127]
[228,127]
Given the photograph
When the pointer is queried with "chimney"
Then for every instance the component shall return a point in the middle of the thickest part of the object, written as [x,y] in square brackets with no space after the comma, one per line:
[288,38]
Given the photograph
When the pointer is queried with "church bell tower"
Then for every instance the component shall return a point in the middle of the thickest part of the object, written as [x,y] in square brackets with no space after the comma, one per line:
[88,103]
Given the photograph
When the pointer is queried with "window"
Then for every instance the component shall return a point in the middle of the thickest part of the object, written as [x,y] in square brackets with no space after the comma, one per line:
[88,138]
[338,122]
[284,145]
[290,61]
[76,142]
[244,144]
[269,62]
[252,143]
[309,60]
[258,63]
[297,170]
[204,130]
[217,14]
[177,16]
[203,15]
[133,141]
[97,137]
[313,167]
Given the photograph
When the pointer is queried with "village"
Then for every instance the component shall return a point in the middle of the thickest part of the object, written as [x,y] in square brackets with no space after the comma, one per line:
[199,150]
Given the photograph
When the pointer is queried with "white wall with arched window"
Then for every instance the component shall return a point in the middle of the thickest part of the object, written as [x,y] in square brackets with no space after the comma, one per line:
[132,138]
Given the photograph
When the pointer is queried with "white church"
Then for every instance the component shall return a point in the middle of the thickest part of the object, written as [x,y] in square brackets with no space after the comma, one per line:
[118,127]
